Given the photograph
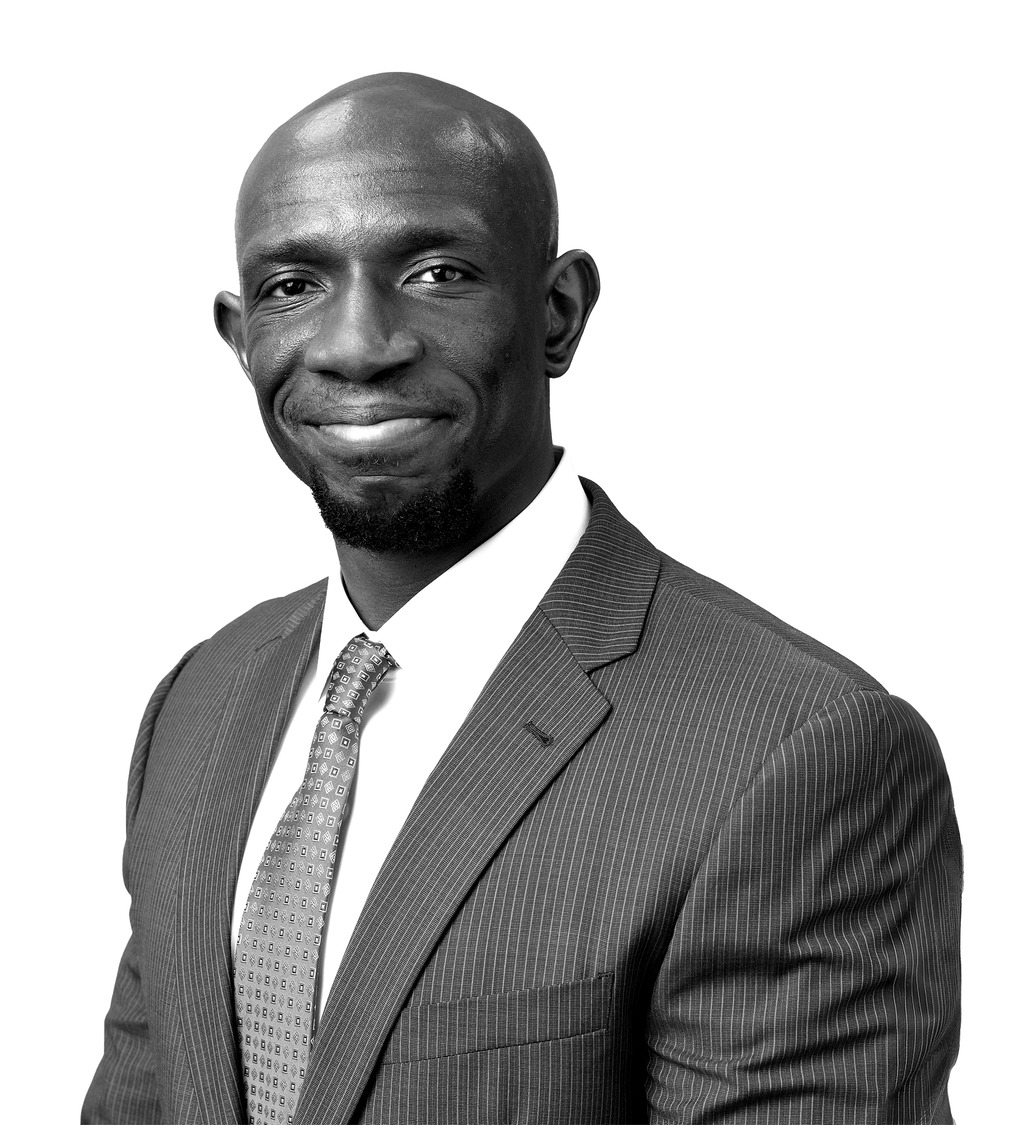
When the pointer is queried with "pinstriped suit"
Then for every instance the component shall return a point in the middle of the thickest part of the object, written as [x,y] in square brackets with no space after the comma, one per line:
[681,863]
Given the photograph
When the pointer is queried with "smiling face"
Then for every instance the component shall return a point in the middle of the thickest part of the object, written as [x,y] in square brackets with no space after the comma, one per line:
[394,319]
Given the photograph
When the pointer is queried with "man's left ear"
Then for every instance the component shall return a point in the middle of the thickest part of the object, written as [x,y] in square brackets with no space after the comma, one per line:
[572,288]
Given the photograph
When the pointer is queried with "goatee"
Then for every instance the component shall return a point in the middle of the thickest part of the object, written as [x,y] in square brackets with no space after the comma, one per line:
[430,521]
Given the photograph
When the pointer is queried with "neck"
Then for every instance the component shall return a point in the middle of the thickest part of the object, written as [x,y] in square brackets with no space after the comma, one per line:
[379,583]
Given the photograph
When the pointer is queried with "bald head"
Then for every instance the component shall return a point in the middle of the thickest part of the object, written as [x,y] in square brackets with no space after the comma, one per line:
[418,122]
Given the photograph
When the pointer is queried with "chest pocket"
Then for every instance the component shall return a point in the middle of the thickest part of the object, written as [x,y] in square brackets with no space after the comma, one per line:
[501,1019]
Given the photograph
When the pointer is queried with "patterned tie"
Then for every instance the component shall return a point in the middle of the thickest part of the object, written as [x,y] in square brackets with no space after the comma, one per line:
[275,965]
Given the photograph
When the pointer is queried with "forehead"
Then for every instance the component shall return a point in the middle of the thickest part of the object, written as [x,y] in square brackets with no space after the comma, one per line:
[339,172]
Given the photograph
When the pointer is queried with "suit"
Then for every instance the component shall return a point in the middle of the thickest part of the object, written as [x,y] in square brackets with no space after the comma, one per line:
[680,863]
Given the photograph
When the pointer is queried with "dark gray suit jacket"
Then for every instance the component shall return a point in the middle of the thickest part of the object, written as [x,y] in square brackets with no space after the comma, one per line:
[680,863]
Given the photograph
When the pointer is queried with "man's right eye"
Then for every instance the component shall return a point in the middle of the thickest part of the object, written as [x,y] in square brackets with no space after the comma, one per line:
[289,287]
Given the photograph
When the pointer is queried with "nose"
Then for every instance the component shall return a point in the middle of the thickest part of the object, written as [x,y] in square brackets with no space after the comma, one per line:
[358,337]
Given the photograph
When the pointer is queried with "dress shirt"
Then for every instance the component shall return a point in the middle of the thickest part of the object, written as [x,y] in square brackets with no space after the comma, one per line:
[447,641]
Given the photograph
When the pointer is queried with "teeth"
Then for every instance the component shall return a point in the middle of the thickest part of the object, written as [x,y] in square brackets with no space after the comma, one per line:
[373,431]
[346,426]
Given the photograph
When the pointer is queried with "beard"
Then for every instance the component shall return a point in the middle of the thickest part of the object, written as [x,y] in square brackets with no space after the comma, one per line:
[436,518]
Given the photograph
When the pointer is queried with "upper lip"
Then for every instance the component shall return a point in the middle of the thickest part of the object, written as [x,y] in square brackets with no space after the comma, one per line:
[366,415]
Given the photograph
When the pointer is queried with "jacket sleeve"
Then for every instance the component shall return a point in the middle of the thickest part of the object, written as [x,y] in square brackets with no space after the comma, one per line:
[813,975]
[124,1088]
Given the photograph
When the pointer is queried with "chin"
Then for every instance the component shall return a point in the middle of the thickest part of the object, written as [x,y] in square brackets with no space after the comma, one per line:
[435,517]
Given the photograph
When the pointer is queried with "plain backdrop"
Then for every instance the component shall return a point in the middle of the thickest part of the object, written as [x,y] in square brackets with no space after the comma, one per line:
[800,379]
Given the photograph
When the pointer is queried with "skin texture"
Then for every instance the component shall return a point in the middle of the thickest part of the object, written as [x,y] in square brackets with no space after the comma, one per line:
[401,313]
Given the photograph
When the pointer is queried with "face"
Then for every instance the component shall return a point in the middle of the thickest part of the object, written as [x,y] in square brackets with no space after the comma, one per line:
[393,321]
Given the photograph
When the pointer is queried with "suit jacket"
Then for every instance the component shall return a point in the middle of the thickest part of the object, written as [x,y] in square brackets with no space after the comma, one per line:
[680,863]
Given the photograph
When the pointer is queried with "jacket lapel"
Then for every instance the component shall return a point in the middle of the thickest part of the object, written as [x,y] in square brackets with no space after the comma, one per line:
[535,713]
[259,696]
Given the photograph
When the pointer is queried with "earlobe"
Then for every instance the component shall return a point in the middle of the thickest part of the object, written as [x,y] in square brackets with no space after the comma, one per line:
[572,290]
[227,317]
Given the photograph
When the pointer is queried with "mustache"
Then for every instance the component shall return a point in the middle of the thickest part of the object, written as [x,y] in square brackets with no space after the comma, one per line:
[362,406]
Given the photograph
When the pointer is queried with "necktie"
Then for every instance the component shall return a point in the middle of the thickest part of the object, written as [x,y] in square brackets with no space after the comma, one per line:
[276,961]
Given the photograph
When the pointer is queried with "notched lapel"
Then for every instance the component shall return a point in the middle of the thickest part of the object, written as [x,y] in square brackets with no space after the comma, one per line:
[257,704]
[489,777]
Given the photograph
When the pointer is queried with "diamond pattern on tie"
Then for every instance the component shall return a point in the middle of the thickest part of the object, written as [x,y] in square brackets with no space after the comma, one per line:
[277,957]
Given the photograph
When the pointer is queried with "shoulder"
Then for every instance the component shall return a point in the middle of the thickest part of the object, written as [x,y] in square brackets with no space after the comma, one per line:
[272,618]
[688,621]
[737,701]
[712,612]
[720,681]
[730,664]
[708,666]
[245,635]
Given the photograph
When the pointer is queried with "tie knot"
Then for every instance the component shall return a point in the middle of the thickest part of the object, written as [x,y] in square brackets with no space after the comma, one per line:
[357,670]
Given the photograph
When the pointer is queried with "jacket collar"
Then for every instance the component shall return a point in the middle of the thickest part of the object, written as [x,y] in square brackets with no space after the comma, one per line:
[600,599]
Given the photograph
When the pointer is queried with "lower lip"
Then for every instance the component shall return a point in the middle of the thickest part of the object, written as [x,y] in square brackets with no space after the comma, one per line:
[391,435]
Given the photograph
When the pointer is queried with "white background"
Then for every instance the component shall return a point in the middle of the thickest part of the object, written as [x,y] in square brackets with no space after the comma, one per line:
[800,379]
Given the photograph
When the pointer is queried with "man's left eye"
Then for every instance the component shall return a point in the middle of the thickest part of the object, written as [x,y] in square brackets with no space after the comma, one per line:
[441,274]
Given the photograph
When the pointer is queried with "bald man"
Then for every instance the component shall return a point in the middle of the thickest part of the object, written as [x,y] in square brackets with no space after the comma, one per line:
[512,817]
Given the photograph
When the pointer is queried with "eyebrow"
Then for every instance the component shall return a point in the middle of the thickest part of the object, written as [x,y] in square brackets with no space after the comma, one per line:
[469,234]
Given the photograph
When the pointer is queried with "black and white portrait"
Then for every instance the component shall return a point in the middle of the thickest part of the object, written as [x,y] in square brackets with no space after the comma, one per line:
[592,432]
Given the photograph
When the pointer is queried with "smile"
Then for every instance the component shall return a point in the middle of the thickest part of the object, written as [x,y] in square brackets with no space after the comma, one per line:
[387,435]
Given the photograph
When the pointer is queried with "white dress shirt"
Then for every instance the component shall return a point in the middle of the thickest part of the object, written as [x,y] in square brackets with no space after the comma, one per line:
[473,610]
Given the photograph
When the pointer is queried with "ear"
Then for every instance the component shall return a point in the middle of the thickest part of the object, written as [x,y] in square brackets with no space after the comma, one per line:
[227,317]
[572,288]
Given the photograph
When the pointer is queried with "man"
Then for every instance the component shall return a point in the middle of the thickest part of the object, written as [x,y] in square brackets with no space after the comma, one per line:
[582,836]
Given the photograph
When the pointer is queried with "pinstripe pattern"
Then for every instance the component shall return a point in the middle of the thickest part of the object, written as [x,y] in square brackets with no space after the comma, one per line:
[125,1086]
[680,863]
[482,1023]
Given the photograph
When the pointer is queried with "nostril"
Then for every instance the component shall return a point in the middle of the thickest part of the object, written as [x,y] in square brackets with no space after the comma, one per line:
[351,352]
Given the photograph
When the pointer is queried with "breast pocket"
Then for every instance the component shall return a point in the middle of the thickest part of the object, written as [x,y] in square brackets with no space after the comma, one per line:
[501,1019]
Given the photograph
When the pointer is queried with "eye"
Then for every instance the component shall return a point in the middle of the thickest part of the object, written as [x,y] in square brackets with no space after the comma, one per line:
[288,288]
[440,275]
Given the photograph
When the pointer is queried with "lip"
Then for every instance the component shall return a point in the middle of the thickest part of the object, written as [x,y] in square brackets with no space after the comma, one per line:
[379,433]
[369,415]
[386,431]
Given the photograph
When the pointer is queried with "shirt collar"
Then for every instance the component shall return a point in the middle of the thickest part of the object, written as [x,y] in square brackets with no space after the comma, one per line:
[484,598]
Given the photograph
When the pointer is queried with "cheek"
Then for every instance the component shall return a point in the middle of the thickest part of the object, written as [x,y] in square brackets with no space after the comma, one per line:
[275,350]
[493,347]
[515,375]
